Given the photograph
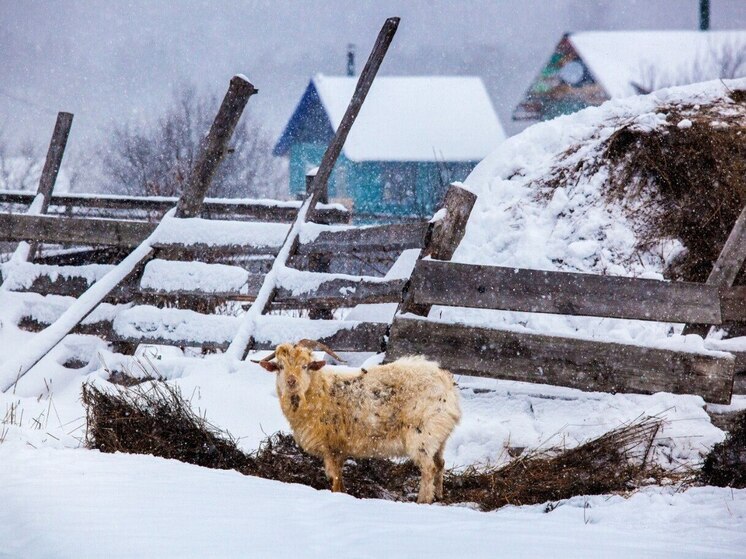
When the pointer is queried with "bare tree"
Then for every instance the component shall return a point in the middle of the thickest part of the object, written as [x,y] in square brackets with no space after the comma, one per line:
[725,61]
[19,170]
[156,159]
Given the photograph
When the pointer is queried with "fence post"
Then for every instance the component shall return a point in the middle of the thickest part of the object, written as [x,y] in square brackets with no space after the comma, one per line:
[726,267]
[318,262]
[443,237]
[52,167]
[214,147]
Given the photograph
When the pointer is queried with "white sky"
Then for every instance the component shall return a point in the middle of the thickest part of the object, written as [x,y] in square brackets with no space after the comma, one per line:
[120,61]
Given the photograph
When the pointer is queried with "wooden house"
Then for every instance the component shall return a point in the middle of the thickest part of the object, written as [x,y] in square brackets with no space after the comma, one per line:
[412,137]
[589,68]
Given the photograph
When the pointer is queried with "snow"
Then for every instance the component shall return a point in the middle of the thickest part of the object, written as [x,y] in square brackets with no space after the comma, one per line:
[617,59]
[21,275]
[211,232]
[421,118]
[175,275]
[62,500]
[139,506]
[574,227]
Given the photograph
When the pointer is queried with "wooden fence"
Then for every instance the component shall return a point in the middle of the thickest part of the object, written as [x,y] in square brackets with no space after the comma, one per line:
[188,266]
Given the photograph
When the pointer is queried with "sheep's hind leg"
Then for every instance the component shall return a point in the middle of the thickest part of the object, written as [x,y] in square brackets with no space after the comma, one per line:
[333,466]
[439,465]
[427,479]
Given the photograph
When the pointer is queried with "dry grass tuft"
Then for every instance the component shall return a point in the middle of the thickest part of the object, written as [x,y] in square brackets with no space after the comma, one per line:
[695,176]
[725,466]
[155,419]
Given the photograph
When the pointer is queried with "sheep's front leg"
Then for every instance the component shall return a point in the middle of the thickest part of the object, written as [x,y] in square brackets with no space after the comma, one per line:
[333,466]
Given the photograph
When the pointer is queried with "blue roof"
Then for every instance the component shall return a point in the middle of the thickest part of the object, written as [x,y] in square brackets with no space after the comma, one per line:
[310,122]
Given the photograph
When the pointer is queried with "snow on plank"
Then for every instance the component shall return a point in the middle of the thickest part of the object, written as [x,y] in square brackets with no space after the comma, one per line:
[147,324]
[315,238]
[338,289]
[50,279]
[172,276]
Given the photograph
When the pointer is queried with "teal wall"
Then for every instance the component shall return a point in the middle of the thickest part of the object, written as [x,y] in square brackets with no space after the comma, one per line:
[379,187]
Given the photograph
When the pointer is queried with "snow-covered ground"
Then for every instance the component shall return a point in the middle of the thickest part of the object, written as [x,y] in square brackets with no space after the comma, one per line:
[61,500]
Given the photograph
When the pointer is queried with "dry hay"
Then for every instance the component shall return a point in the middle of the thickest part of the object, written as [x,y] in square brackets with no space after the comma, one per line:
[725,466]
[692,180]
[154,418]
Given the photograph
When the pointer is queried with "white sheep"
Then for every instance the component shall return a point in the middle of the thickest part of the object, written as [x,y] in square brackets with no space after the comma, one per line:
[407,408]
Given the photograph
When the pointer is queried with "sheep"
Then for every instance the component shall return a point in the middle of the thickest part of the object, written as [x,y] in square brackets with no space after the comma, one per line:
[407,408]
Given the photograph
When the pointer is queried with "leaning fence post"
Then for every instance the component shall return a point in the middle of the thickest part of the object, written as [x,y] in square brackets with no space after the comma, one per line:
[443,236]
[214,146]
[726,267]
[52,167]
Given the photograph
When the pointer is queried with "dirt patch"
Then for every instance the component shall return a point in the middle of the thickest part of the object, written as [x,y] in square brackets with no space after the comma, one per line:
[154,418]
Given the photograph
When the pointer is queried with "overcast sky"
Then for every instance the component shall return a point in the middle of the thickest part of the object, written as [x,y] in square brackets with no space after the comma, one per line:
[121,60]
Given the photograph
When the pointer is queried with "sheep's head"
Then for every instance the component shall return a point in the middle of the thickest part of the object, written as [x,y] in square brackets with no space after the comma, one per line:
[294,365]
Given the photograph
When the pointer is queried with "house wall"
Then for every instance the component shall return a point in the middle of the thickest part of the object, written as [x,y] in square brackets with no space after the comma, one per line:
[379,187]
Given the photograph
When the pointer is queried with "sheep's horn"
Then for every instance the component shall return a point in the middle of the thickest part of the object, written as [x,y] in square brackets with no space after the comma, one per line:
[313,344]
[268,358]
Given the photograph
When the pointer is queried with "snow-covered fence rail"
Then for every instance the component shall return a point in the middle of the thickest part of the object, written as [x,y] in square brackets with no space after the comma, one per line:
[567,361]
[155,207]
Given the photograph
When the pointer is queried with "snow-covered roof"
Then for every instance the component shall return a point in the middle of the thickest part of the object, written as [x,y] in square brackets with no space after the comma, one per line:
[617,59]
[420,118]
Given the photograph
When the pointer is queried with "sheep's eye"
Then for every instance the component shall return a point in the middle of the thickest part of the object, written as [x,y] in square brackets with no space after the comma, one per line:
[305,366]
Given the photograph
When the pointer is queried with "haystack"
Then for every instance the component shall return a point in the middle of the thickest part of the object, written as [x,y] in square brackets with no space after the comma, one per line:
[154,418]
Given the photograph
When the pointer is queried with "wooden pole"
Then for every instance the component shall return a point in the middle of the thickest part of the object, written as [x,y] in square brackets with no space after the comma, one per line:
[52,167]
[383,41]
[726,267]
[214,146]
[243,340]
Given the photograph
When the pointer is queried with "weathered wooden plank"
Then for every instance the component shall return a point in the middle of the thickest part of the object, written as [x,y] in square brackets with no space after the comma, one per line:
[514,289]
[727,266]
[214,146]
[733,303]
[214,208]
[584,364]
[70,230]
[343,293]
[379,238]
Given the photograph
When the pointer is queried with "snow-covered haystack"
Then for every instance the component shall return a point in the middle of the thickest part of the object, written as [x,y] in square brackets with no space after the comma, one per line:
[646,186]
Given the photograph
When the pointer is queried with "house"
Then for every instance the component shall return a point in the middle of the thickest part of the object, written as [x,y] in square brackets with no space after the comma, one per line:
[412,137]
[589,68]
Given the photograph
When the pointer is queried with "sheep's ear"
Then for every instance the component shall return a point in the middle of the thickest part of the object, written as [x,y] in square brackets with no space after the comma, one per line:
[316,365]
[269,366]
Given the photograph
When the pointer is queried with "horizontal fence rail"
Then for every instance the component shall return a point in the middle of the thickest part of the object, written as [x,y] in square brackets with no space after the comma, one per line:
[257,210]
[513,289]
[576,363]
